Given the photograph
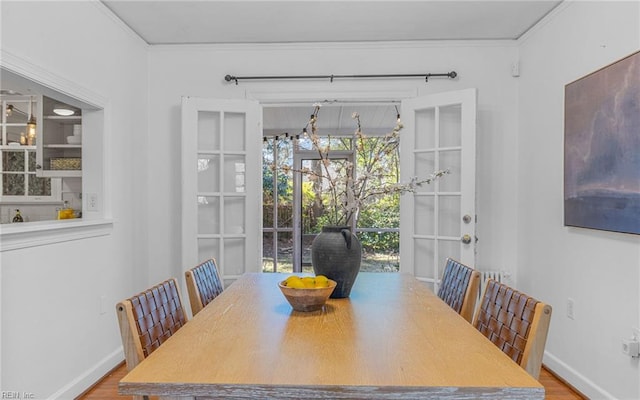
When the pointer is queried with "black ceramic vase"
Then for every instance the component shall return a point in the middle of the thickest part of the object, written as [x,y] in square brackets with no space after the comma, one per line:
[336,253]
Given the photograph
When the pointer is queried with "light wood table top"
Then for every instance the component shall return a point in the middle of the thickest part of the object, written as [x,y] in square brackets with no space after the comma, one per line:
[392,339]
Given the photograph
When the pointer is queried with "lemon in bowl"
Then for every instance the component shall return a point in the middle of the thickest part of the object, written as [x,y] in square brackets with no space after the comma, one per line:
[307,293]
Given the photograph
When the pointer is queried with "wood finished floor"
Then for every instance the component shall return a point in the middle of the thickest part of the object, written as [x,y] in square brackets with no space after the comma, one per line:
[107,388]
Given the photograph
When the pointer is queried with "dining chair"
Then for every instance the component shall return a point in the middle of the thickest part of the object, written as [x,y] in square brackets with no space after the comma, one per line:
[148,319]
[515,322]
[459,288]
[203,284]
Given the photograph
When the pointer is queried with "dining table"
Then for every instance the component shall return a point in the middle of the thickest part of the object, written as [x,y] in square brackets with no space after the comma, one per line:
[392,338]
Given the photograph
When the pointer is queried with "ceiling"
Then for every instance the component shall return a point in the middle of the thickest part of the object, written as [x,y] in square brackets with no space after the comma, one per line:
[241,21]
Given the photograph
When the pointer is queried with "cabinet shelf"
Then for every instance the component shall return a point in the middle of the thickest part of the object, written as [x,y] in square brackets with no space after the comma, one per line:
[63,118]
[61,173]
[62,146]
[21,147]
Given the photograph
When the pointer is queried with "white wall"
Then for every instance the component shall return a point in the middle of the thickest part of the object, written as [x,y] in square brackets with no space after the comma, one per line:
[599,270]
[55,341]
[198,71]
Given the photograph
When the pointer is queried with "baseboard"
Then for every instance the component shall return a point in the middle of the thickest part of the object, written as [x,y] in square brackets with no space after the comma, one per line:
[97,382]
[563,381]
[574,379]
[90,377]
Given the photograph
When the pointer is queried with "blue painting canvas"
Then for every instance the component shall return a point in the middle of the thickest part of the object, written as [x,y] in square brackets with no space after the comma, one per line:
[602,148]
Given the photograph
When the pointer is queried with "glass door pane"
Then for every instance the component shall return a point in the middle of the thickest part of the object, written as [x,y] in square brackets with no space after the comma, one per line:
[208,130]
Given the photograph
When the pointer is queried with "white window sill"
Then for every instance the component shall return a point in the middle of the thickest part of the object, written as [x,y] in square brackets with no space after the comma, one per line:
[31,234]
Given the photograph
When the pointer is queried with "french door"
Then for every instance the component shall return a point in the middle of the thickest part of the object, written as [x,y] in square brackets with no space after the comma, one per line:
[221,191]
[438,220]
[221,194]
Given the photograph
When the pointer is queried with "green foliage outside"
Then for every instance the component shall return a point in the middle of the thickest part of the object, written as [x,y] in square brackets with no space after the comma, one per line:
[379,210]
[384,213]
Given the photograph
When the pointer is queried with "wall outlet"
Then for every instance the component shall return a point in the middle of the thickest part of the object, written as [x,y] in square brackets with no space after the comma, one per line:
[570,307]
[515,69]
[631,347]
[92,201]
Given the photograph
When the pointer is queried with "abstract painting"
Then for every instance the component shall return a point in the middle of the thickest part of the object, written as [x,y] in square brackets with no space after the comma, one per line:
[602,148]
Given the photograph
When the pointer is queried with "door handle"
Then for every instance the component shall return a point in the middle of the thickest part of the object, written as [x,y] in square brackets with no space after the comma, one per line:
[466,239]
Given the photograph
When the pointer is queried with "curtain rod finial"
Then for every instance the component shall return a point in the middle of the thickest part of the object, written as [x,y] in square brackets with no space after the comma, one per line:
[230,78]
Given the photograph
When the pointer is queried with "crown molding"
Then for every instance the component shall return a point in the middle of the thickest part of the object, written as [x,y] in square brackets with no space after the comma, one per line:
[315,46]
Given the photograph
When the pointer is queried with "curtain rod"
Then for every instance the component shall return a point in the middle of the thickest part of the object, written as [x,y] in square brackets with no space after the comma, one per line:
[230,78]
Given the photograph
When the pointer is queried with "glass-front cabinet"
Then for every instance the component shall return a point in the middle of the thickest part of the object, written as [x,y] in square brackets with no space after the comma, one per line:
[40,158]
[18,152]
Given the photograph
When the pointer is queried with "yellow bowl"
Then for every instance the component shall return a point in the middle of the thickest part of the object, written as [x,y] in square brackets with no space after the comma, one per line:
[307,299]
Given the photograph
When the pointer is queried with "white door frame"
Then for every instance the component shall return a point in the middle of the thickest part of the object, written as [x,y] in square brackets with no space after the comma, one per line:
[284,98]
[290,98]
